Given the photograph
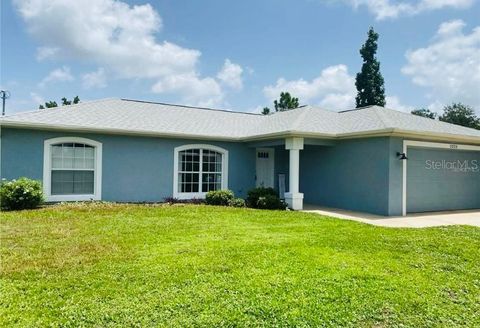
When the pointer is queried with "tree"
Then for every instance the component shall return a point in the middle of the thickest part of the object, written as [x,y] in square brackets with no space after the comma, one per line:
[65,102]
[369,82]
[424,112]
[49,104]
[286,102]
[460,114]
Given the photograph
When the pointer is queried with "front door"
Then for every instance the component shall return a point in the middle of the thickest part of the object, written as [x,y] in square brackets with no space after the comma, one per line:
[265,167]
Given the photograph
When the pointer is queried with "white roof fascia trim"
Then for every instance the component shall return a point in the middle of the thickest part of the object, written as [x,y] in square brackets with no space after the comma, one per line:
[288,134]
[437,136]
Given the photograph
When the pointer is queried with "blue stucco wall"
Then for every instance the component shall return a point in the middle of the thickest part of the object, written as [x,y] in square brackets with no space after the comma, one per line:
[134,168]
[352,174]
[395,177]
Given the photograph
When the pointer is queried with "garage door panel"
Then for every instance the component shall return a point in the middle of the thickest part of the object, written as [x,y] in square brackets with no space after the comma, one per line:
[442,179]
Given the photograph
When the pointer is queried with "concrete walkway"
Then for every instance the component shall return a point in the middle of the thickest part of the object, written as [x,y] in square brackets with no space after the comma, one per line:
[421,220]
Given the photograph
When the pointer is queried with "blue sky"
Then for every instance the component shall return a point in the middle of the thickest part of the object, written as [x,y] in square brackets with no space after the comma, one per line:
[238,54]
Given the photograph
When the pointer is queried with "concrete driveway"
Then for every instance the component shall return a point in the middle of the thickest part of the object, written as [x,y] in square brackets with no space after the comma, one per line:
[421,220]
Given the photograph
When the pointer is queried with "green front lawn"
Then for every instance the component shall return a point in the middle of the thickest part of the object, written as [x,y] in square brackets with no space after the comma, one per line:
[143,266]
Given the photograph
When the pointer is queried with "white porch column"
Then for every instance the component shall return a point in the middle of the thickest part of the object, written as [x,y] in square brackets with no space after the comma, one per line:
[293,197]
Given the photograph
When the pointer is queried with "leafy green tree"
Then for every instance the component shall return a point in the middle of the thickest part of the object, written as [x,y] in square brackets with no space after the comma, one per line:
[460,114]
[65,102]
[424,112]
[369,82]
[48,104]
[286,102]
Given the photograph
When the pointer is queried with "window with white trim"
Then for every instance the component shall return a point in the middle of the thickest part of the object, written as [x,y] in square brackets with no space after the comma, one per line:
[199,169]
[72,169]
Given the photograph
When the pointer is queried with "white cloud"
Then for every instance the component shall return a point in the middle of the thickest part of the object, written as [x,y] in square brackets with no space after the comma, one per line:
[254,110]
[195,90]
[231,75]
[61,74]
[449,67]
[96,79]
[46,53]
[338,101]
[384,9]
[334,88]
[114,35]
[450,28]
[436,106]
[37,99]
[393,102]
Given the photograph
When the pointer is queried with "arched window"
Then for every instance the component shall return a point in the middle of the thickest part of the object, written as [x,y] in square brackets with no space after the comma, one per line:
[72,169]
[199,169]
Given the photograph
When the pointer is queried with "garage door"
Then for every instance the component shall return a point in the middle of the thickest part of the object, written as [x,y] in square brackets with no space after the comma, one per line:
[442,179]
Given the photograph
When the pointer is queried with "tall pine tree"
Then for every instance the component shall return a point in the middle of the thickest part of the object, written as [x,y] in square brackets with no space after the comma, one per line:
[369,82]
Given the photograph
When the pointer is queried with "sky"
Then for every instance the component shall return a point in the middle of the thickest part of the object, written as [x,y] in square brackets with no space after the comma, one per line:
[238,55]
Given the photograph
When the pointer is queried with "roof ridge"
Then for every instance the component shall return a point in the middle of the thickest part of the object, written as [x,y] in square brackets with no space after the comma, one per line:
[187,106]
[300,117]
[59,107]
[376,111]
[281,112]
[357,108]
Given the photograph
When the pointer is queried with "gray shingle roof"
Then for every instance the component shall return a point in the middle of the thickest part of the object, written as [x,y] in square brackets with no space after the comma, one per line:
[138,117]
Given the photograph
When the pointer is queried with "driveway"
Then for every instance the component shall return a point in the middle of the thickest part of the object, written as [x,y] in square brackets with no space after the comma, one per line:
[420,220]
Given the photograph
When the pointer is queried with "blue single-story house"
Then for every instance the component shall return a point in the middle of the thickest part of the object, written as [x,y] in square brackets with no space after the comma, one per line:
[370,159]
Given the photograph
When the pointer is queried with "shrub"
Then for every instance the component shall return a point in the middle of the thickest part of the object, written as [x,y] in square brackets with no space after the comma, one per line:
[237,202]
[254,194]
[20,194]
[219,197]
[195,201]
[271,202]
[265,198]
[171,200]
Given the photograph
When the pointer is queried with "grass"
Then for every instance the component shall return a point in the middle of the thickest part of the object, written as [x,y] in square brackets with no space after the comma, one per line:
[142,266]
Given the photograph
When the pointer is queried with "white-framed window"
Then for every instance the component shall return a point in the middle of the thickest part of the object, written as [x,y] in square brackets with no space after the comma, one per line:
[72,169]
[199,169]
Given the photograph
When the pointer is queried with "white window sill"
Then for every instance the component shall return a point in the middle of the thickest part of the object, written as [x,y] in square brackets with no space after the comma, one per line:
[191,195]
[70,198]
